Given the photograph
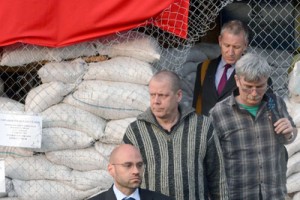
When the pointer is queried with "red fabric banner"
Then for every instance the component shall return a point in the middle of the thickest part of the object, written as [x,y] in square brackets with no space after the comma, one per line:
[56,23]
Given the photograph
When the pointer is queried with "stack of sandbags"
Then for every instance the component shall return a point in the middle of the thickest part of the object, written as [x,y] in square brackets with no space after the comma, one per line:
[10,106]
[67,166]
[293,105]
[22,54]
[86,108]
[116,89]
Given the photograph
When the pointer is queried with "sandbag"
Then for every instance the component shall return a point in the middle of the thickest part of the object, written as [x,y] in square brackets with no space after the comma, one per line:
[10,105]
[87,180]
[295,98]
[68,116]
[294,109]
[35,167]
[293,183]
[49,190]
[65,71]
[211,50]
[187,68]
[56,138]
[9,188]
[296,196]
[196,54]
[115,130]
[121,69]
[80,159]
[294,146]
[15,152]
[135,45]
[45,95]
[294,79]
[18,55]
[104,149]
[293,165]
[89,48]
[110,100]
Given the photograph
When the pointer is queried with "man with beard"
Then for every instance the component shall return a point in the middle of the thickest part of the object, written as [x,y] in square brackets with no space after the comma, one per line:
[127,167]
[253,127]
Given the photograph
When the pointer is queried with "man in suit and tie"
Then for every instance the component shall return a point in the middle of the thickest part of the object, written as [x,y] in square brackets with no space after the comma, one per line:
[127,167]
[233,42]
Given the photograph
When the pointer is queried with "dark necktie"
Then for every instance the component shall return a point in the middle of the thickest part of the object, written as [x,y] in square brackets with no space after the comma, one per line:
[223,79]
[128,198]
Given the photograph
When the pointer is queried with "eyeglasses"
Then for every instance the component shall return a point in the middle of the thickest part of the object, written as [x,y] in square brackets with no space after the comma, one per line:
[250,89]
[130,165]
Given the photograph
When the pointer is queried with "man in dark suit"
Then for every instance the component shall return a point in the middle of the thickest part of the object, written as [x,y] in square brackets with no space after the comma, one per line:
[233,42]
[127,167]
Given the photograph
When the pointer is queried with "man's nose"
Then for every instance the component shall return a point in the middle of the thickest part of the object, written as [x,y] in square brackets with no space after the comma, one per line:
[231,51]
[156,99]
[135,169]
[253,92]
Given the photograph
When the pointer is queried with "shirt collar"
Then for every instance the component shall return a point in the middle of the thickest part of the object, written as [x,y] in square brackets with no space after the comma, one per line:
[120,195]
[236,93]
[223,63]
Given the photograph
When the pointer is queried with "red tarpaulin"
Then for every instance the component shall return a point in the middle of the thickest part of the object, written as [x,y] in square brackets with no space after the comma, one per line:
[57,23]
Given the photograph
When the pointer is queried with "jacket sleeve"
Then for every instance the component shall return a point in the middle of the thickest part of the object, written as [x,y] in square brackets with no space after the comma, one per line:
[127,138]
[197,86]
[214,169]
[282,108]
[270,86]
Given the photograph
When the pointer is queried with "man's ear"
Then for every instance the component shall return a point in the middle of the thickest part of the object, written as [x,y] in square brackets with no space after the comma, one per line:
[220,40]
[111,170]
[179,95]
[236,78]
[245,48]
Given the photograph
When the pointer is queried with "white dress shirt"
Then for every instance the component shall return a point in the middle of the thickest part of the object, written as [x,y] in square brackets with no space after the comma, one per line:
[121,196]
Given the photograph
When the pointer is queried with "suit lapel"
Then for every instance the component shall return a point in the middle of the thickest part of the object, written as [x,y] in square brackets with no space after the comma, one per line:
[229,85]
[210,77]
[110,194]
[144,195]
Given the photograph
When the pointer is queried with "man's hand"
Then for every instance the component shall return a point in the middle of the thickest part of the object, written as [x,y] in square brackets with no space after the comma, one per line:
[283,126]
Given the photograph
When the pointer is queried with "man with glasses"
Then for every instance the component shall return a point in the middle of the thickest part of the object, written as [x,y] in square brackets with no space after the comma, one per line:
[180,148]
[127,167]
[215,78]
[253,127]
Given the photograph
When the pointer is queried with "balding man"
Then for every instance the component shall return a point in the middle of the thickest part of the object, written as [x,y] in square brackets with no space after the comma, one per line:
[127,168]
[182,152]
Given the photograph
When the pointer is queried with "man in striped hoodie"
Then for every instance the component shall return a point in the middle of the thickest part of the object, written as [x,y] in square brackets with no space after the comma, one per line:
[180,149]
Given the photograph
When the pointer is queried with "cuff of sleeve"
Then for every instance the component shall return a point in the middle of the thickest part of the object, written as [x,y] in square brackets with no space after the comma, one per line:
[292,136]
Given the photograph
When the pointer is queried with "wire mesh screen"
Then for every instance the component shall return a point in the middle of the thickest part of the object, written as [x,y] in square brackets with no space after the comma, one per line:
[276,33]
[88,93]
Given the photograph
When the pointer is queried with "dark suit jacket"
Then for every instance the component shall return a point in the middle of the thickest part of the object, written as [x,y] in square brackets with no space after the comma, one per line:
[144,195]
[208,92]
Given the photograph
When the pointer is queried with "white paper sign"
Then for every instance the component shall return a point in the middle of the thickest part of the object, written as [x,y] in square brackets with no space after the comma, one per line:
[21,130]
[2,177]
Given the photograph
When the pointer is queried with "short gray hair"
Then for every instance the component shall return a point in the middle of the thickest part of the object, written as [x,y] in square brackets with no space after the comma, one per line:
[252,67]
[236,27]
[171,76]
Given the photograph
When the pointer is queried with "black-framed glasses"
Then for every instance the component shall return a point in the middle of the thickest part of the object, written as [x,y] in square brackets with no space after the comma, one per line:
[249,89]
[130,165]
